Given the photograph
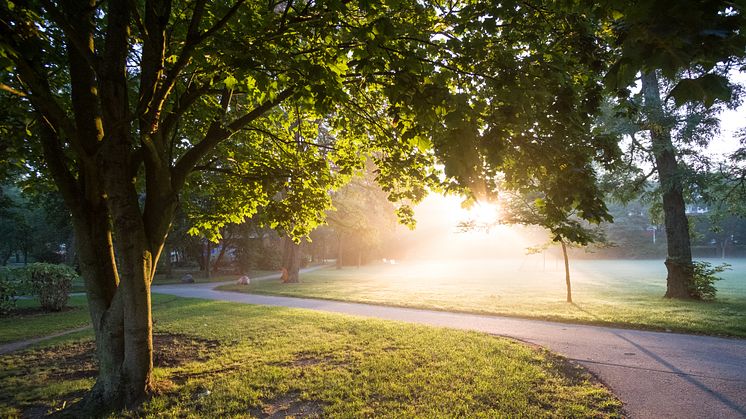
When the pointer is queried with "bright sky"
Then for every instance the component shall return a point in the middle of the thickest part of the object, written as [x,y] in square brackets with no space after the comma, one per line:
[730,122]
[437,235]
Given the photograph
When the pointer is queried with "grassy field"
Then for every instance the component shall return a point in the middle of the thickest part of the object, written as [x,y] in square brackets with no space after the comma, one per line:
[29,321]
[623,293]
[216,359]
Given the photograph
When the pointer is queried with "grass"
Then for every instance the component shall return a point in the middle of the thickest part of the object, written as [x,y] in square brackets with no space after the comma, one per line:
[217,359]
[29,322]
[619,293]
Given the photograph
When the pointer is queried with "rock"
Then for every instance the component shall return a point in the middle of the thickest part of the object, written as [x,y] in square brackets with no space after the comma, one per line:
[244,280]
[187,279]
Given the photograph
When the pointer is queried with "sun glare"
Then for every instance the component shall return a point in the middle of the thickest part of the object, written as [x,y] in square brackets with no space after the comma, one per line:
[482,213]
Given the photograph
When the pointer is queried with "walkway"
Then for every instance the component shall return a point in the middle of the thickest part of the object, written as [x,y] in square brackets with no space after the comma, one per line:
[657,375]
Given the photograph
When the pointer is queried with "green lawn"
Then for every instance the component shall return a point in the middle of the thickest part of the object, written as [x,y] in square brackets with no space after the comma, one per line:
[624,293]
[216,359]
[28,322]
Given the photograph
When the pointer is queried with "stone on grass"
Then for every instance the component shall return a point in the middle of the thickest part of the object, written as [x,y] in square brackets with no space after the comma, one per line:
[244,280]
[187,279]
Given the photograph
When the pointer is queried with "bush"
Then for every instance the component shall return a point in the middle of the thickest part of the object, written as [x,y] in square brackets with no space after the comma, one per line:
[703,285]
[8,291]
[51,284]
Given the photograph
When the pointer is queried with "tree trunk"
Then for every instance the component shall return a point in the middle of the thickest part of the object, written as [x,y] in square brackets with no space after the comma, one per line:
[567,271]
[208,257]
[679,259]
[339,251]
[291,260]
[223,248]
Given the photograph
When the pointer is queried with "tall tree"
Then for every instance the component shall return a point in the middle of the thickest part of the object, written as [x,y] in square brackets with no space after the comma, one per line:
[130,98]
[691,45]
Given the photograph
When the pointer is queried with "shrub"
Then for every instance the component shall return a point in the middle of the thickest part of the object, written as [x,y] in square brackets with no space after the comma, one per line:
[8,291]
[705,275]
[51,284]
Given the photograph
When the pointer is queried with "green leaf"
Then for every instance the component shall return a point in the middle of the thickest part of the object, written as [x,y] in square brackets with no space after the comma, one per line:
[705,89]
[230,82]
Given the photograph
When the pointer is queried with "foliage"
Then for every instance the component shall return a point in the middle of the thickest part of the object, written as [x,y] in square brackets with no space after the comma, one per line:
[35,224]
[8,291]
[705,275]
[230,106]
[673,36]
[51,284]
[259,248]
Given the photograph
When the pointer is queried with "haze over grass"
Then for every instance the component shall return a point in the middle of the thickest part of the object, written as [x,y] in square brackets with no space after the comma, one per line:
[612,292]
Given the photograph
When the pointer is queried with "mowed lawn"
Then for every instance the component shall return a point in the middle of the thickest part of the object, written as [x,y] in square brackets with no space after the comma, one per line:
[217,359]
[626,293]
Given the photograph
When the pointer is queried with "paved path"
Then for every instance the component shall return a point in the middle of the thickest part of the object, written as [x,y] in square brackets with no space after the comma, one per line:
[657,375]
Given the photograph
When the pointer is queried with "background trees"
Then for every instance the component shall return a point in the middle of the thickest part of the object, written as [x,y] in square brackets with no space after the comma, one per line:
[362,219]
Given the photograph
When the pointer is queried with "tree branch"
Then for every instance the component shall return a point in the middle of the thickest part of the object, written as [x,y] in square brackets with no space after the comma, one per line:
[11,90]
[73,36]
[217,133]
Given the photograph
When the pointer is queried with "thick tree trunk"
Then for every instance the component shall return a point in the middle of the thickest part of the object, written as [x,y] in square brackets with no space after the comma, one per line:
[291,260]
[679,260]
[567,271]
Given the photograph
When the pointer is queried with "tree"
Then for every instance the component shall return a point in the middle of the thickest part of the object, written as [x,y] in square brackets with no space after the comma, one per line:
[361,217]
[691,45]
[131,98]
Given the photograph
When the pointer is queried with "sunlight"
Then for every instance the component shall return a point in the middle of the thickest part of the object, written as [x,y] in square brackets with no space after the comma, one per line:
[438,237]
[481,212]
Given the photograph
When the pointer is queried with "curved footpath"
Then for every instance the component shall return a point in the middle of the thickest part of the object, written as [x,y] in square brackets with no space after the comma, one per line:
[655,374]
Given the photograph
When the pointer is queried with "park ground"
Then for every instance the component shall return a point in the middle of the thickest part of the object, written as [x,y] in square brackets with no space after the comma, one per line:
[231,360]
[217,359]
[621,293]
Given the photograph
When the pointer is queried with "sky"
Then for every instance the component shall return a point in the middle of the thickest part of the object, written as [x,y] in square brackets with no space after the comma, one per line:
[730,122]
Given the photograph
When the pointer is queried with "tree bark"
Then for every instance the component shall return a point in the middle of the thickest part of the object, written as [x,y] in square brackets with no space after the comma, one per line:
[291,260]
[224,246]
[339,251]
[567,271]
[679,259]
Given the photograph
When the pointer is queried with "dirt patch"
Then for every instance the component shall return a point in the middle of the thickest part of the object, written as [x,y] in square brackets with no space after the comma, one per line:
[171,350]
[305,359]
[78,360]
[288,405]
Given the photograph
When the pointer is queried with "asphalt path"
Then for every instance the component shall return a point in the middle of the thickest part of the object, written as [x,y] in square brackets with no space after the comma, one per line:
[655,374]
